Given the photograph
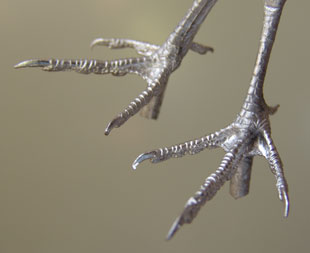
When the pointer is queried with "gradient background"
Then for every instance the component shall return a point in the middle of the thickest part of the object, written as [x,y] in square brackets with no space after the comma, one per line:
[65,187]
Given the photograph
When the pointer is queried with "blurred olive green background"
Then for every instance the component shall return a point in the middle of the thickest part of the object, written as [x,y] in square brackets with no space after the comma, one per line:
[65,187]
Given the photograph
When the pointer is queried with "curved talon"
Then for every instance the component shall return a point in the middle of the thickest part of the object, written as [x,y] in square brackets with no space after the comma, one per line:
[32,63]
[174,228]
[113,124]
[143,157]
[101,42]
[286,202]
[190,211]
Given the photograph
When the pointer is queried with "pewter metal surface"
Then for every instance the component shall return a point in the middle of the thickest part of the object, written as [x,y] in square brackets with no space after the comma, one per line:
[249,135]
[155,64]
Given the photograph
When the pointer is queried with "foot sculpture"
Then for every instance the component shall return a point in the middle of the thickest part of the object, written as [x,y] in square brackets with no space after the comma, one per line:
[249,135]
[155,64]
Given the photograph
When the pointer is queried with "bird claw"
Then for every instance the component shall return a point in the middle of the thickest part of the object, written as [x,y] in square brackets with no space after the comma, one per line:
[101,42]
[174,228]
[283,196]
[115,123]
[33,63]
[145,156]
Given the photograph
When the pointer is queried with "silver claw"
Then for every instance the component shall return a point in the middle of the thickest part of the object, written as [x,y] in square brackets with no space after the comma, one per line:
[286,202]
[32,63]
[100,41]
[114,123]
[174,228]
[143,157]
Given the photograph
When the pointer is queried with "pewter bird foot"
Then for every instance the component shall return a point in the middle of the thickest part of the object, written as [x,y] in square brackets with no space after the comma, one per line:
[242,140]
[155,64]
[248,136]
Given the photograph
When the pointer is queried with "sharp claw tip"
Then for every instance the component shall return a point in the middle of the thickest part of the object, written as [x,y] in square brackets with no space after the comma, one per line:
[137,162]
[32,63]
[286,201]
[108,130]
[95,42]
[92,44]
[142,158]
[134,165]
[16,66]
[174,228]
[113,124]
[22,64]
[286,210]
[169,236]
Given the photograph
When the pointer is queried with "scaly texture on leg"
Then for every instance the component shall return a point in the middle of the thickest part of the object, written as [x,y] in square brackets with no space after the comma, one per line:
[249,135]
[151,110]
[143,99]
[155,66]
[115,67]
